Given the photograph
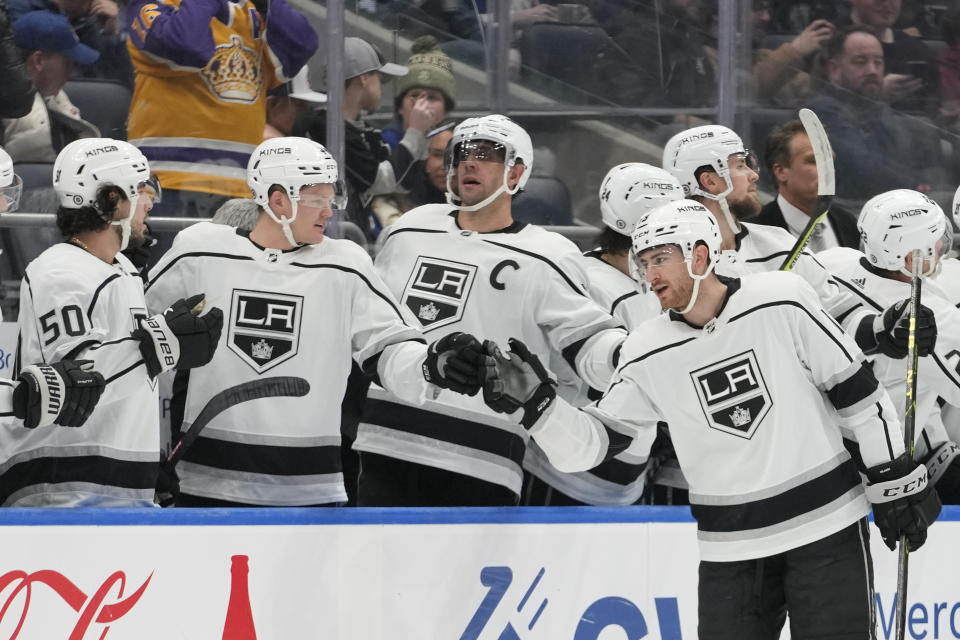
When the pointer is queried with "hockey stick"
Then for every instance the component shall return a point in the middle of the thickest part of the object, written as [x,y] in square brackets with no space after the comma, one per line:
[823,154]
[909,426]
[244,392]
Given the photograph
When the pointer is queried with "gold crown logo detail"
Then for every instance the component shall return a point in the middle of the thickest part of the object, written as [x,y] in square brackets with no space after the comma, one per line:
[233,72]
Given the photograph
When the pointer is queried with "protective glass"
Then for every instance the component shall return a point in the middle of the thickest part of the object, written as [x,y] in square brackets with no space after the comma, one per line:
[478,150]
[150,188]
[744,161]
[337,201]
[657,258]
[10,195]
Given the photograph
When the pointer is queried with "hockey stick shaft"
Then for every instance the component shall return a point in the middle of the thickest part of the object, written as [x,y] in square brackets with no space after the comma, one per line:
[275,387]
[823,154]
[909,426]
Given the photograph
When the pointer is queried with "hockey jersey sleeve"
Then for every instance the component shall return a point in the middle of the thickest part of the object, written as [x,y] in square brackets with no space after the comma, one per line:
[839,369]
[62,317]
[587,336]
[839,302]
[387,349]
[177,32]
[291,40]
[580,439]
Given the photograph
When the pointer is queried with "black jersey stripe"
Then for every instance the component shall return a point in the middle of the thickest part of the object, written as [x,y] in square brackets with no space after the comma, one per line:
[886,431]
[792,503]
[794,303]
[857,291]
[544,259]
[648,354]
[86,344]
[93,469]
[367,282]
[947,370]
[96,293]
[262,458]
[622,298]
[618,471]
[445,428]
[859,386]
[124,372]
[394,232]
[194,254]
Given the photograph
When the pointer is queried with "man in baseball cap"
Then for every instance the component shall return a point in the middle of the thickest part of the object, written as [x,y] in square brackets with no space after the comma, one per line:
[52,49]
[361,57]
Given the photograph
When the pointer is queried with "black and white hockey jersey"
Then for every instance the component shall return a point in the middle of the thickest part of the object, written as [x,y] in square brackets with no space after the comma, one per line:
[74,305]
[755,400]
[521,282]
[305,312]
[938,376]
[620,480]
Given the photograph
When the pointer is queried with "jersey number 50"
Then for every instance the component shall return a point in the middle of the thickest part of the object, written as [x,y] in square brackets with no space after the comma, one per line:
[72,321]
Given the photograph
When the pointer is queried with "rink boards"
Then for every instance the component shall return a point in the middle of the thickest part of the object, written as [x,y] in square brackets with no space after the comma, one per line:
[405,574]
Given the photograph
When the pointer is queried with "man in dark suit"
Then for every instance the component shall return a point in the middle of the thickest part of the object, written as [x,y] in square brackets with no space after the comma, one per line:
[790,160]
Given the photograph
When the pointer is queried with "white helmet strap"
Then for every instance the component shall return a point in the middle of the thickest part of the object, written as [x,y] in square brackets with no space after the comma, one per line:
[284,221]
[126,224]
[721,199]
[696,282]
[453,200]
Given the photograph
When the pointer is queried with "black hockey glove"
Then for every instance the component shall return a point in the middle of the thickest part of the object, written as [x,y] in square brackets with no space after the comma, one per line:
[63,393]
[179,337]
[943,469]
[457,362]
[168,484]
[891,330]
[522,382]
[903,501]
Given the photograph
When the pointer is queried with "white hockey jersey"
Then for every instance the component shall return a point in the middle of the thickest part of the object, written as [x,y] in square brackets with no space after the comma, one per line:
[305,312]
[756,401]
[620,480]
[522,282]
[74,305]
[937,373]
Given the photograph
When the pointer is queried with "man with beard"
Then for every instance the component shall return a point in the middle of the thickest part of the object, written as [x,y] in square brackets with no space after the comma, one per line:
[82,298]
[872,154]
[761,392]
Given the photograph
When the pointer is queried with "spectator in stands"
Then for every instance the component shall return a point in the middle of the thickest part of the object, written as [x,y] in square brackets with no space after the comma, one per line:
[286,103]
[911,82]
[790,160]
[199,102]
[51,48]
[870,155]
[949,65]
[428,87]
[372,169]
[96,23]
[781,76]
[16,90]
[431,187]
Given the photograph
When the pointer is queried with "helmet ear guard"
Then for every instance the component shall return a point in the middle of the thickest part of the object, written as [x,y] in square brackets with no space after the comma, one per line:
[895,223]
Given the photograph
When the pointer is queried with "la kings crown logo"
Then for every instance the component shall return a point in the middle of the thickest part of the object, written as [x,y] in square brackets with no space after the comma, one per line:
[264,327]
[437,291]
[733,394]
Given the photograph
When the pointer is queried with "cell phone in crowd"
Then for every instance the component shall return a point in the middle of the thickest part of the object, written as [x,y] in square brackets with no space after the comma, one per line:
[917,68]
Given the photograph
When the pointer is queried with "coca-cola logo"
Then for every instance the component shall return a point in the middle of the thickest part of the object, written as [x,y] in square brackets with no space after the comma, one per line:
[91,608]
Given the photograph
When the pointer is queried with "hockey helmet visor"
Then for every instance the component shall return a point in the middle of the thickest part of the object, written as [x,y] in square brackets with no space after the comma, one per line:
[476,149]
[10,195]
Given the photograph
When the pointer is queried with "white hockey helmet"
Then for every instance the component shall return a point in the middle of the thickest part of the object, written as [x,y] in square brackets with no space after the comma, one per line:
[684,223]
[707,146]
[895,223]
[513,141]
[11,186]
[85,166]
[292,163]
[630,190]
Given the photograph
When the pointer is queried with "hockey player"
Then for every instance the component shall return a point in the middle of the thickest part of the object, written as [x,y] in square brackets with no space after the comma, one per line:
[627,192]
[11,186]
[892,225]
[301,304]
[83,299]
[715,169]
[468,265]
[756,382]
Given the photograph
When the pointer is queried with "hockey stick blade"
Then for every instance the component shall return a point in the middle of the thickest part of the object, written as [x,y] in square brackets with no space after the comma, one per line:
[826,185]
[289,386]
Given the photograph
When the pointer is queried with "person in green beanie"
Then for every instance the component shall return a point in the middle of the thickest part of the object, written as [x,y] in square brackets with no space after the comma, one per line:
[429,85]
